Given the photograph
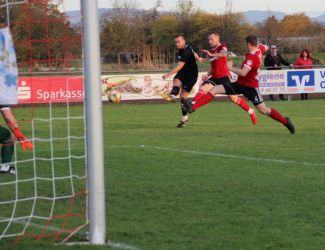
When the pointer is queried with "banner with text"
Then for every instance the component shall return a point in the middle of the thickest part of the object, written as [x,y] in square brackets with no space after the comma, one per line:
[151,86]
[54,89]
[305,81]
[59,89]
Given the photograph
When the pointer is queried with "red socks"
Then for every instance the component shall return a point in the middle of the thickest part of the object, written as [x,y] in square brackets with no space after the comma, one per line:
[275,115]
[243,104]
[199,95]
[205,99]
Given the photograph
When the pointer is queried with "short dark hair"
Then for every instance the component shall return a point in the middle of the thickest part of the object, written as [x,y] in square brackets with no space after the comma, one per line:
[214,33]
[180,35]
[252,40]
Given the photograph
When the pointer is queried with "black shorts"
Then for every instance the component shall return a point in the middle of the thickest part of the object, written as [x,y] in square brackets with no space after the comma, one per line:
[188,81]
[217,81]
[252,94]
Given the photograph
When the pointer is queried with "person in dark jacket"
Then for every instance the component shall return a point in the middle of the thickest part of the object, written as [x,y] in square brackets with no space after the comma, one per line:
[273,61]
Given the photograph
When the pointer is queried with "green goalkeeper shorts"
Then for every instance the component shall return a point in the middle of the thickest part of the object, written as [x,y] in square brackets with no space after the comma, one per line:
[5,135]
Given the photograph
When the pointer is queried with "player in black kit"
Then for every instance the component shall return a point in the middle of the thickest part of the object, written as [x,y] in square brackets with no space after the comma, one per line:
[187,73]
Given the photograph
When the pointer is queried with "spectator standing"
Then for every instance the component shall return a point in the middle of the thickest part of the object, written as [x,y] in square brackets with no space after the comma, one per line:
[273,61]
[304,61]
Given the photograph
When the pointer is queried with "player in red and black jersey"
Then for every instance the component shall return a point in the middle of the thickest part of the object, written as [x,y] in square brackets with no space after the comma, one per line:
[247,84]
[219,74]
[187,73]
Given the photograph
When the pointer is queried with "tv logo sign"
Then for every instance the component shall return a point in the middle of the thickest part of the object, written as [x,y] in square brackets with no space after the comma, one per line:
[301,81]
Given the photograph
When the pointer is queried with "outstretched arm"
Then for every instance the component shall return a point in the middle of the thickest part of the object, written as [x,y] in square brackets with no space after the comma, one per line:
[175,70]
[13,125]
[222,53]
[241,72]
[198,58]
[9,118]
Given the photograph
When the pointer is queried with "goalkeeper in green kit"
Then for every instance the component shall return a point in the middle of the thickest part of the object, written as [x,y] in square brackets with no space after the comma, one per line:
[8,86]
[7,150]
[7,141]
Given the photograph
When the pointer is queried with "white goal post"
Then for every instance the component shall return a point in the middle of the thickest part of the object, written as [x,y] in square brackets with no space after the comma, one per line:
[94,123]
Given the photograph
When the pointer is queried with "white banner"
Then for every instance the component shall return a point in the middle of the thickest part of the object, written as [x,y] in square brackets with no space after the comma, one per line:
[272,82]
[305,81]
[140,87]
[152,86]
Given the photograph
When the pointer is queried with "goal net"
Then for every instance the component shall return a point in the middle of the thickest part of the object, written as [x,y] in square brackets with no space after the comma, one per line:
[47,197]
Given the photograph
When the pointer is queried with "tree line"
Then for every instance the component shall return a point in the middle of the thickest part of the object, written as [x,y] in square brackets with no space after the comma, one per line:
[144,39]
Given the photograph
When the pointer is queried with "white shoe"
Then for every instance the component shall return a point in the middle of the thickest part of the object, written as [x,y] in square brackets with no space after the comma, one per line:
[7,169]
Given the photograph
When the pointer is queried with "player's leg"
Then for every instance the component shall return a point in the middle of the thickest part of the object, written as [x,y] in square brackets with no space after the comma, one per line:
[241,102]
[205,99]
[235,98]
[7,150]
[210,83]
[256,98]
[187,87]
[205,88]
[177,85]
[184,120]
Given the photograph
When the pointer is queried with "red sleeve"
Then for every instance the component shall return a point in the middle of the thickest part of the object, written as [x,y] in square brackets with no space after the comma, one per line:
[263,48]
[249,61]
[224,47]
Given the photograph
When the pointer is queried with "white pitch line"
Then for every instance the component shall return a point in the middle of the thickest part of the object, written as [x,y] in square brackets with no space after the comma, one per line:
[116,245]
[119,245]
[231,156]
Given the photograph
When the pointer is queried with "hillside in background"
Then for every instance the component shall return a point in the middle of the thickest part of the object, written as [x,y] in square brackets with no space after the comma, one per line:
[74,16]
[252,16]
[258,16]
[320,19]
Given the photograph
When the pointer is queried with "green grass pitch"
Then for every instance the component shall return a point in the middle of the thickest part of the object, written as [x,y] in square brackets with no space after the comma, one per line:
[219,183]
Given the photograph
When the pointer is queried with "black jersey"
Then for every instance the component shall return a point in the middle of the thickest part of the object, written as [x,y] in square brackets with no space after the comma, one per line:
[187,56]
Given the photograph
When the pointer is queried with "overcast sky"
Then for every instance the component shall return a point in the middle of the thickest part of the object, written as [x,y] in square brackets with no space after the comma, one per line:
[288,6]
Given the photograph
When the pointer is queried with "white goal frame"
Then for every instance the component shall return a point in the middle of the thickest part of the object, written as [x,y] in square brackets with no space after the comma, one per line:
[94,123]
